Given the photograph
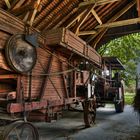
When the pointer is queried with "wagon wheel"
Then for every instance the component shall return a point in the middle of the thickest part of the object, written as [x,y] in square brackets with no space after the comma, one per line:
[20,55]
[20,131]
[89,107]
[119,106]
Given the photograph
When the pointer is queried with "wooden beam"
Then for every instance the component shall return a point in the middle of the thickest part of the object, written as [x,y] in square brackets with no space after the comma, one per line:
[96,16]
[115,17]
[34,12]
[75,19]
[87,32]
[22,9]
[119,23]
[16,4]
[99,37]
[83,18]
[8,4]
[97,2]
[8,76]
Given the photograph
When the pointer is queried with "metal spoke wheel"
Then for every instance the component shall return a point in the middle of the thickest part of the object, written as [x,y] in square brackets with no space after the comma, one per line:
[20,131]
[89,107]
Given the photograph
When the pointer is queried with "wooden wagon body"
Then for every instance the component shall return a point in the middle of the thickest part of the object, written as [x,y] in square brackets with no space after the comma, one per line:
[55,81]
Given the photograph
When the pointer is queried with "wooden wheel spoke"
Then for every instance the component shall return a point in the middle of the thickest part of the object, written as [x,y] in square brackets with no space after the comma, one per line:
[89,112]
[17,133]
[21,131]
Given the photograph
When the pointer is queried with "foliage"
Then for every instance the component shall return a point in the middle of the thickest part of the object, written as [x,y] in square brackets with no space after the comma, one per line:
[127,49]
[129,98]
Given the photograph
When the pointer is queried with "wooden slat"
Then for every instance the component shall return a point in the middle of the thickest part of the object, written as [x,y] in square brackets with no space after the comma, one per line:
[138,7]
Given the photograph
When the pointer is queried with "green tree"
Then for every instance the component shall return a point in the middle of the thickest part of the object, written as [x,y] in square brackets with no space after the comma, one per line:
[127,49]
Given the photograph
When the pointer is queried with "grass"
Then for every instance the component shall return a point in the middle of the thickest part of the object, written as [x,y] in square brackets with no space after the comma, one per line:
[129,97]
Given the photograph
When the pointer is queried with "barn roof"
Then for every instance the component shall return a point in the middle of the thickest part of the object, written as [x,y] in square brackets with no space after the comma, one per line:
[95,21]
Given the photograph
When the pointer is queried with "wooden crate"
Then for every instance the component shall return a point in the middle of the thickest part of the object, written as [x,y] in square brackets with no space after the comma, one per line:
[68,40]
[93,55]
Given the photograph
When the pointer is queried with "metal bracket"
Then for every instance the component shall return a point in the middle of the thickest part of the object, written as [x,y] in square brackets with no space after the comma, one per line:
[32,39]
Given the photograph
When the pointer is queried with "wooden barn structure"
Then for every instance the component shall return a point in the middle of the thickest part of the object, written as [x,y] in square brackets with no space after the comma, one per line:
[48,52]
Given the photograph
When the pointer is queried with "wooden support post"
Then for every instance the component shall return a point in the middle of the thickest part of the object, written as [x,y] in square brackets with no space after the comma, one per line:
[19,90]
[138,7]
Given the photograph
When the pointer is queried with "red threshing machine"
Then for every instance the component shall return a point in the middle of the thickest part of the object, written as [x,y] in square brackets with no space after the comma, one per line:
[40,75]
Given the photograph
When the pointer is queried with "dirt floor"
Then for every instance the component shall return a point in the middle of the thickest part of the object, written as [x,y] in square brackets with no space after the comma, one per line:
[109,126]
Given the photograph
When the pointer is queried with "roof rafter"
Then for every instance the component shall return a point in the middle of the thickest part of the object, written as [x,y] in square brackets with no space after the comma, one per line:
[8,4]
[83,18]
[115,17]
[97,2]
[76,18]
[96,16]
[119,23]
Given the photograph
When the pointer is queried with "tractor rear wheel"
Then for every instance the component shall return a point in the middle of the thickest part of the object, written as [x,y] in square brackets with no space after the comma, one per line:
[119,105]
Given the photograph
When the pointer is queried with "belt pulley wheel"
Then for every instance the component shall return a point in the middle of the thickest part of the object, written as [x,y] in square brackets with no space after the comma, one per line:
[20,55]
[20,131]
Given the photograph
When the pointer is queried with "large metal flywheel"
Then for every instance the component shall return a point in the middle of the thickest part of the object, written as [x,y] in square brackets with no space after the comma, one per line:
[20,55]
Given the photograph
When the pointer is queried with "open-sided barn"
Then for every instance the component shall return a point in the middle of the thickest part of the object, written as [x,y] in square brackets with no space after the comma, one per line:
[48,53]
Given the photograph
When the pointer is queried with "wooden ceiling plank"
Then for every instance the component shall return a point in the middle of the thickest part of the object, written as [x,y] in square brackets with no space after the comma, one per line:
[62,14]
[119,23]
[7,4]
[83,18]
[115,17]
[87,32]
[96,16]
[97,3]
[47,15]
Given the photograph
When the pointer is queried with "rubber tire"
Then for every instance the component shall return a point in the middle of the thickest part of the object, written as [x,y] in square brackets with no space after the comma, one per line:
[120,107]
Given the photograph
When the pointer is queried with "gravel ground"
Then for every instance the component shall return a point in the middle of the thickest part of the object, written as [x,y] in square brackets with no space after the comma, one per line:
[109,126]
